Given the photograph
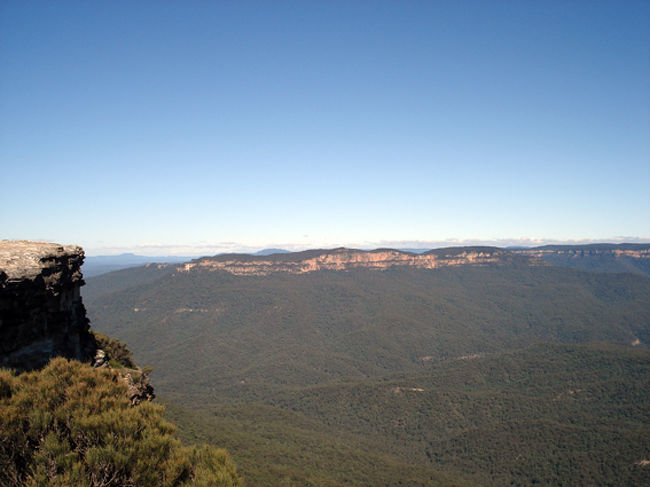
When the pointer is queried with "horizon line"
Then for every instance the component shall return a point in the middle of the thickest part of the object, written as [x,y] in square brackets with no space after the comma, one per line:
[206,249]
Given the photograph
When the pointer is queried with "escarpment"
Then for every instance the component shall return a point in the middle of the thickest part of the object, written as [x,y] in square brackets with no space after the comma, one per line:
[638,252]
[345,259]
[41,311]
[634,258]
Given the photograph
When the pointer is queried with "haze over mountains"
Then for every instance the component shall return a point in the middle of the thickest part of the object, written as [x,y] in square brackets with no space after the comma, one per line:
[435,364]
[601,257]
[101,264]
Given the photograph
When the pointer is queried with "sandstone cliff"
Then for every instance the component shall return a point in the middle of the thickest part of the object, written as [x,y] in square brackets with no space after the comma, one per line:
[345,259]
[41,312]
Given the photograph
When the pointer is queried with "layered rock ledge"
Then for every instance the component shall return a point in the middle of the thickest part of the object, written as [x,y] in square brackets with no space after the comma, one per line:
[345,259]
[41,311]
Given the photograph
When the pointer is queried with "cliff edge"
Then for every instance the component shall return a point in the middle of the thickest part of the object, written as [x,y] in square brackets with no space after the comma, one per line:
[41,311]
[343,259]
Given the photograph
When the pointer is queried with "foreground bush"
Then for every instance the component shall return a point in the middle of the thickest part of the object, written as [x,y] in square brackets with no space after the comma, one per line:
[72,425]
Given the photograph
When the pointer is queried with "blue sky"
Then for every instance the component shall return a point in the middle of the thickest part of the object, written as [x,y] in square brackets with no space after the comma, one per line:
[192,127]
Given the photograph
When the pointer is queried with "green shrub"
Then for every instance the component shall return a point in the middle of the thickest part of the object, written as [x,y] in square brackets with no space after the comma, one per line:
[72,425]
[116,352]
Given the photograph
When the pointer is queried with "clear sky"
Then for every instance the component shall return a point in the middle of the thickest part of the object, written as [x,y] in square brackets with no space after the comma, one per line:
[190,127]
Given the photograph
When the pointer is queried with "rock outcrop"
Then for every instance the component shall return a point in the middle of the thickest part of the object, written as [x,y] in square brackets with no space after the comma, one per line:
[41,311]
[138,386]
[135,379]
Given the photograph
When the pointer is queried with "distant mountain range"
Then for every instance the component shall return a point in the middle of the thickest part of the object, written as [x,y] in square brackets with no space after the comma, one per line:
[271,251]
[101,264]
[346,259]
[633,258]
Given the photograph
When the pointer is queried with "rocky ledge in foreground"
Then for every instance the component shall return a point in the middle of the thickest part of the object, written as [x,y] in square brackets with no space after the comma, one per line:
[41,312]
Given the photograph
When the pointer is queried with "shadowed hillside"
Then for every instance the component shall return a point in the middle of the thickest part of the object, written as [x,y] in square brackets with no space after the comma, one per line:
[212,331]
[548,415]
[634,258]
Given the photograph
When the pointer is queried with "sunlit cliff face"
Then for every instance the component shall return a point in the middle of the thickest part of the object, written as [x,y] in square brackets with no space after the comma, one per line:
[343,259]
